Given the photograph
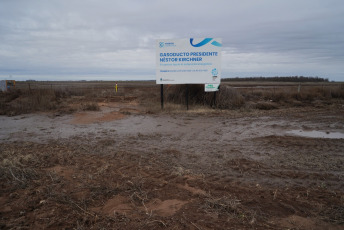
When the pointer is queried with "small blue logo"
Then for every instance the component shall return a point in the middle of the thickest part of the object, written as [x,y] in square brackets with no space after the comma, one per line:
[214,72]
[166,44]
[204,42]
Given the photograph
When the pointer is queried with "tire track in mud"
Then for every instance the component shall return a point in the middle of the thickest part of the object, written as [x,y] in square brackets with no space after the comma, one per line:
[273,160]
[267,169]
[126,185]
[303,161]
[244,182]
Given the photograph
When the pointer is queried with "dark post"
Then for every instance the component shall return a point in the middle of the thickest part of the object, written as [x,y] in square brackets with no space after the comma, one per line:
[214,103]
[187,97]
[162,95]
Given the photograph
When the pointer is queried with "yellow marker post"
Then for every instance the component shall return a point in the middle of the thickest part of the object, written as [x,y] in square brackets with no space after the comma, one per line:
[116,87]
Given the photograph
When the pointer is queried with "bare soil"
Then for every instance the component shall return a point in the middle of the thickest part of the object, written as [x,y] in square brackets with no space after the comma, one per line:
[123,168]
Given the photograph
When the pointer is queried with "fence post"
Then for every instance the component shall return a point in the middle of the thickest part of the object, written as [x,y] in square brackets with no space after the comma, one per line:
[299,88]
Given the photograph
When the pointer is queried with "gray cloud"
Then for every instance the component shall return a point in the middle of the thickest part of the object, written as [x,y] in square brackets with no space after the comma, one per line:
[114,38]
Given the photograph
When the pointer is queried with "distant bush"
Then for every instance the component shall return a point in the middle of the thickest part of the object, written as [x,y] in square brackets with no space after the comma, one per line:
[266,106]
[338,92]
[278,79]
[229,98]
[36,100]
[90,106]
[255,98]
[177,94]
[19,101]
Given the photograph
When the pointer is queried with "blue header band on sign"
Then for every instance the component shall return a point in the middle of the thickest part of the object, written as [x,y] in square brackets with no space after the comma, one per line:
[204,42]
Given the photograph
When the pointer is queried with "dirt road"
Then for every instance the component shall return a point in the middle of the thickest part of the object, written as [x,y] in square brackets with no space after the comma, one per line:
[121,168]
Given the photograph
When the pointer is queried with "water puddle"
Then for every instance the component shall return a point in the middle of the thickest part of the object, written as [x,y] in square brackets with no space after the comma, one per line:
[317,134]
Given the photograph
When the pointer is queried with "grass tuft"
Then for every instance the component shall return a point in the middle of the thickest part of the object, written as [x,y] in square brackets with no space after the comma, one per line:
[90,106]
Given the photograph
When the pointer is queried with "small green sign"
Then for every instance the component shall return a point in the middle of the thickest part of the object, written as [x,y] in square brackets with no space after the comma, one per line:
[211,87]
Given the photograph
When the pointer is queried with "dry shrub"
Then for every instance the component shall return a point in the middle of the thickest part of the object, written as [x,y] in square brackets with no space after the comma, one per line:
[251,94]
[266,94]
[223,205]
[10,95]
[36,100]
[333,214]
[338,92]
[18,176]
[309,94]
[30,100]
[90,106]
[18,102]
[226,98]
[14,169]
[270,98]
[229,98]
[278,96]
[6,98]
[314,93]
[152,107]
[230,206]
[177,94]
[266,105]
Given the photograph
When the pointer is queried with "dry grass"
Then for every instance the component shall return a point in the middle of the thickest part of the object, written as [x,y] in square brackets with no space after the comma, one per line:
[231,207]
[14,168]
[229,98]
[266,105]
[334,214]
[78,180]
[223,204]
[40,97]
[264,98]
[20,101]
[90,106]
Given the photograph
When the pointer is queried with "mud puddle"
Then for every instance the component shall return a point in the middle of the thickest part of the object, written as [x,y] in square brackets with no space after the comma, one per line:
[317,134]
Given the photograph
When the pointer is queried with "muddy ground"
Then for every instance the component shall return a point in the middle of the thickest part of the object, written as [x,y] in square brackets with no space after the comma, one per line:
[124,168]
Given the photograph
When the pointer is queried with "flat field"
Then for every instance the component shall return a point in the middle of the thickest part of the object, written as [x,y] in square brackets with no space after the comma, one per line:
[78,155]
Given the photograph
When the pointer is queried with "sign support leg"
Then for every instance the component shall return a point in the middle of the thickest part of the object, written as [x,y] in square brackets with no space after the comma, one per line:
[214,102]
[187,97]
[162,96]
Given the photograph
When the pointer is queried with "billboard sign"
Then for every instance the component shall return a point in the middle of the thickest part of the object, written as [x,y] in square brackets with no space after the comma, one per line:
[188,61]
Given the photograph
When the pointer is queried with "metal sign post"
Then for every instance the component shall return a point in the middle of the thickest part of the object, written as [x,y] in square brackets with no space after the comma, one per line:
[187,97]
[162,96]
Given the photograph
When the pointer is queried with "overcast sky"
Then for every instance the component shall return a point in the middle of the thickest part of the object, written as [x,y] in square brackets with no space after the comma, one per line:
[109,40]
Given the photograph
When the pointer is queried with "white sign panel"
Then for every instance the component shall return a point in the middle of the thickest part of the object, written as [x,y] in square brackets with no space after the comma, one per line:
[188,61]
[211,87]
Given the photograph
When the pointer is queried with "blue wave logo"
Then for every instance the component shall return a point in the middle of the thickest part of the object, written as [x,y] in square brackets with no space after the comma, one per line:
[214,72]
[205,41]
[161,44]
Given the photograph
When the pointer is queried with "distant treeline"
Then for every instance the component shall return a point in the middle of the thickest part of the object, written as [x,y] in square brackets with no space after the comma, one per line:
[280,79]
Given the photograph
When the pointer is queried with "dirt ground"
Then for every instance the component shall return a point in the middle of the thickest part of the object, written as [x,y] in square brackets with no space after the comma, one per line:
[123,168]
